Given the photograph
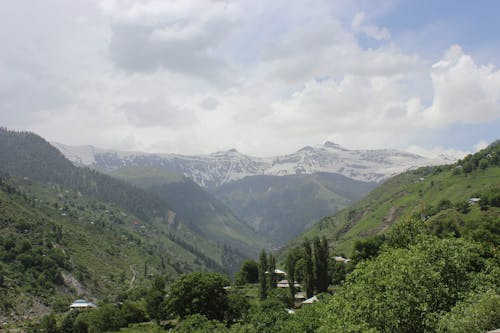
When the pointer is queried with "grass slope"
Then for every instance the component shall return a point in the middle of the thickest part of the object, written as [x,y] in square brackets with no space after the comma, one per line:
[413,193]
[56,244]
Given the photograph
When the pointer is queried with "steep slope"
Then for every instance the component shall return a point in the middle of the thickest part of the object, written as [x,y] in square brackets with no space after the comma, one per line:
[281,207]
[28,155]
[56,245]
[439,195]
[203,213]
[214,170]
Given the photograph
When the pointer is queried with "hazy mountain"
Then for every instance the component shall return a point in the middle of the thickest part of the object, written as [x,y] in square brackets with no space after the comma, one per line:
[278,197]
[219,168]
[201,210]
[281,207]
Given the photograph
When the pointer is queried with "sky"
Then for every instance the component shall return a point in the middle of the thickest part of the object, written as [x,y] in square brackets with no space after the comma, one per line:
[264,77]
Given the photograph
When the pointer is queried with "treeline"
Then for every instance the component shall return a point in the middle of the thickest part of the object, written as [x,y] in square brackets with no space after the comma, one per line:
[25,154]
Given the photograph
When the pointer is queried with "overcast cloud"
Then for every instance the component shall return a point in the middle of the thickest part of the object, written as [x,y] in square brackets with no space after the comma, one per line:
[266,78]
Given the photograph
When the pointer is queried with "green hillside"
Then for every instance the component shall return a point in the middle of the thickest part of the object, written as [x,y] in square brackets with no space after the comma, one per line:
[225,241]
[282,207]
[204,215]
[56,244]
[435,194]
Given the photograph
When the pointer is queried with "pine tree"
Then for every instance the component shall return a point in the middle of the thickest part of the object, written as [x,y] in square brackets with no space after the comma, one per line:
[262,274]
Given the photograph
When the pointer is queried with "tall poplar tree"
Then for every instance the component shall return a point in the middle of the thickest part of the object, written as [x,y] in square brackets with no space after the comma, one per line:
[271,267]
[309,269]
[291,259]
[262,274]
[321,254]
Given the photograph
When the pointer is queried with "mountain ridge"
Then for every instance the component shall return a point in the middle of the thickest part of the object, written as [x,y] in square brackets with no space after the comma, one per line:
[219,168]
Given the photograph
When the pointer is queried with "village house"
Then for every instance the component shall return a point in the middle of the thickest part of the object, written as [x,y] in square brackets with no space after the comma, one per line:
[81,304]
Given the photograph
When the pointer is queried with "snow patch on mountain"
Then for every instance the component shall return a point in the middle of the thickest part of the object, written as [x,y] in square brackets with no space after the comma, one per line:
[222,167]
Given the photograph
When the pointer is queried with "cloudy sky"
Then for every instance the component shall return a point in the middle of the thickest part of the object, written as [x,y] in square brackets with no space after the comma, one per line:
[265,77]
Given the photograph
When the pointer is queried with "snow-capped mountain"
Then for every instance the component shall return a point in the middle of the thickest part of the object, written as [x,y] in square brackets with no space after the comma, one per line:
[219,168]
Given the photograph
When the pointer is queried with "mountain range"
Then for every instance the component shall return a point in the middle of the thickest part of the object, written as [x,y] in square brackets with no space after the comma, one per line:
[219,168]
[277,197]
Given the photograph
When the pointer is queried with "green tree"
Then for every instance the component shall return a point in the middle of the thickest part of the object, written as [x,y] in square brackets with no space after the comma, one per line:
[309,268]
[291,260]
[405,289]
[249,272]
[132,312]
[155,300]
[321,255]
[67,324]
[478,312]
[199,293]
[197,323]
[367,248]
[271,268]
[262,274]
[238,307]
[49,324]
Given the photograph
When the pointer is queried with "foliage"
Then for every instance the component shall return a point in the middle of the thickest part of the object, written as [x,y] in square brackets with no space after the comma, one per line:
[197,323]
[405,289]
[249,272]
[263,267]
[478,312]
[238,307]
[291,261]
[321,256]
[309,268]
[199,293]
[155,300]
[368,247]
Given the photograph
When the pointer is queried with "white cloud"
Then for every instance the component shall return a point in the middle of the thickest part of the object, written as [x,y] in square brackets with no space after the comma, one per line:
[438,152]
[200,76]
[463,91]
[358,25]
[480,145]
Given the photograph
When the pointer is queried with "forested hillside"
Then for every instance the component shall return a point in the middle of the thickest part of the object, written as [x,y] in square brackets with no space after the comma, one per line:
[56,244]
[281,207]
[439,195]
[204,214]
[24,154]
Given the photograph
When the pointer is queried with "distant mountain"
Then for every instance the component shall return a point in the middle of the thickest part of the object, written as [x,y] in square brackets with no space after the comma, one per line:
[216,169]
[439,195]
[277,197]
[200,210]
[281,207]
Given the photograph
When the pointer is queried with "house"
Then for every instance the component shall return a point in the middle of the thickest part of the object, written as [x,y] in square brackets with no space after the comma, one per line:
[282,284]
[81,304]
[286,284]
[474,200]
[310,300]
[301,296]
[278,273]
[341,259]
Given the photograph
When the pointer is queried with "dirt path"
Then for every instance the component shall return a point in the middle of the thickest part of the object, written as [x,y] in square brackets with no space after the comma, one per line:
[132,280]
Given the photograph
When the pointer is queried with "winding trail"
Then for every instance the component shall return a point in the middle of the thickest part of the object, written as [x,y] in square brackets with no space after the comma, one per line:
[132,280]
